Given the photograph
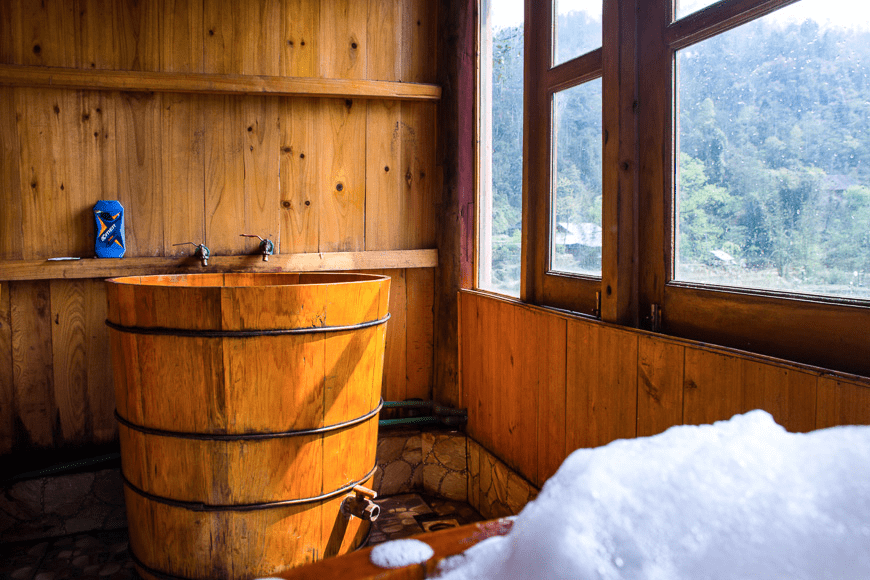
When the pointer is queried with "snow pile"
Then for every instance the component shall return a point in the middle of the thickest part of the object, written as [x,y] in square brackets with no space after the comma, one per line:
[739,499]
[400,553]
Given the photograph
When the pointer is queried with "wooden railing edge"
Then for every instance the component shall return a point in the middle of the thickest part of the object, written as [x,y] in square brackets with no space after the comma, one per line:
[174,82]
[77,268]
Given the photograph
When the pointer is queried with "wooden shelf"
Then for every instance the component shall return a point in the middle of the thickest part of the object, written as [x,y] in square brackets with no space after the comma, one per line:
[109,268]
[171,82]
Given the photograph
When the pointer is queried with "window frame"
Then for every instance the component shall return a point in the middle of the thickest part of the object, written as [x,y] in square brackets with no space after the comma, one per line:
[818,330]
[637,288]
[610,296]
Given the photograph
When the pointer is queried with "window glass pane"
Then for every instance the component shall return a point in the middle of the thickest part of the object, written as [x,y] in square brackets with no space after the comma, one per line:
[575,228]
[773,158]
[577,28]
[501,146]
[686,7]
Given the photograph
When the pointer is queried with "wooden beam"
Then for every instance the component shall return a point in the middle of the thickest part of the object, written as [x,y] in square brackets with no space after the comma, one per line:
[108,268]
[172,82]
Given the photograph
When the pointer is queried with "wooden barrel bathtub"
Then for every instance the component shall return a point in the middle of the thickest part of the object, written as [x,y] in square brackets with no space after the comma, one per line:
[248,407]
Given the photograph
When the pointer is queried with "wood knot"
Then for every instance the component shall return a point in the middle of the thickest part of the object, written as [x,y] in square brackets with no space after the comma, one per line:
[37,49]
[339,186]
[286,204]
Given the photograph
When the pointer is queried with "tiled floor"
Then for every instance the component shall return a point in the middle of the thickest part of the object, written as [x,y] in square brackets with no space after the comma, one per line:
[105,555]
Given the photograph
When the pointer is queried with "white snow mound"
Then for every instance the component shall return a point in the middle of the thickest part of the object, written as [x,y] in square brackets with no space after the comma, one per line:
[740,499]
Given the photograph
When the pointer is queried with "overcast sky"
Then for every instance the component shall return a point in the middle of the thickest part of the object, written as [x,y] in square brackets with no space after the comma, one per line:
[848,13]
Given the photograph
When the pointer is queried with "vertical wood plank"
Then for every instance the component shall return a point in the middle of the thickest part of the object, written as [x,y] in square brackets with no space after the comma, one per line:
[224,175]
[418,172]
[46,123]
[602,384]
[419,288]
[99,34]
[528,388]
[7,32]
[300,44]
[842,402]
[242,37]
[10,182]
[96,138]
[33,385]
[419,23]
[101,393]
[300,227]
[395,355]
[342,39]
[46,33]
[341,179]
[7,400]
[384,40]
[70,360]
[261,157]
[385,210]
[786,393]
[183,167]
[181,26]
[659,385]
[712,387]
[550,333]
[139,172]
[138,34]
[582,379]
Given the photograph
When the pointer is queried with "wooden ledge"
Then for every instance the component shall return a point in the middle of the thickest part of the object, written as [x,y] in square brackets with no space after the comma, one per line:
[172,82]
[109,268]
[444,543]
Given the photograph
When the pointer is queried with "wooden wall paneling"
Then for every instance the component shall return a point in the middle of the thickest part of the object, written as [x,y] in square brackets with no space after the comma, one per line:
[242,37]
[419,27]
[659,385]
[46,33]
[528,388]
[10,181]
[418,174]
[261,155]
[300,56]
[548,334]
[385,210]
[97,146]
[139,143]
[7,399]
[842,402]
[478,366]
[300,216]
[384,35]
[101,394]
[506,380]
[36,413]
[601,385]
[47,124]
[341,176]
[712,387]
[181,33]
[342,39]
[99,34]
[224,175]
[786,393]
[69,341]
[420,298]
[395,353]
[183,173]
[7,45]
[137,34]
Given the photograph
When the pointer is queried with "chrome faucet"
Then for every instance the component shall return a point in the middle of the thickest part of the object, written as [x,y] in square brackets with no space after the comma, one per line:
[202,252]
[267,248]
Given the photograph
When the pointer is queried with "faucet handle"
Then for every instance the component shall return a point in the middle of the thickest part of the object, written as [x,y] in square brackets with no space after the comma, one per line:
[202,251]
[267,248]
